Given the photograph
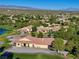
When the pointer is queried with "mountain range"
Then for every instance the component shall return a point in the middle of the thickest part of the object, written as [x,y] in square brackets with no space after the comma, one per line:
[17,7]
[71,9]
[31,8]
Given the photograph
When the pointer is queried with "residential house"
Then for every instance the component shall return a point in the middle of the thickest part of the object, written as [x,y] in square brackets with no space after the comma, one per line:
[53,27]
[29,41]
[25,29]
[43,29]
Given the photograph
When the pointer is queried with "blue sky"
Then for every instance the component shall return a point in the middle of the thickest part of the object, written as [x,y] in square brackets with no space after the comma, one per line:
[43,4]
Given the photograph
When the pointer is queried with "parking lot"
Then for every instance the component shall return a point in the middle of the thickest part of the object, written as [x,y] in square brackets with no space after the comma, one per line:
[29,50]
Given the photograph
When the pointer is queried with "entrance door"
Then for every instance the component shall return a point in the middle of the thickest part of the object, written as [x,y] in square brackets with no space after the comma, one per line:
[24,45]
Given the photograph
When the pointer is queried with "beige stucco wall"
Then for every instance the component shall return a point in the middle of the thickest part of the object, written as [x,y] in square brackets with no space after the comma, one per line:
[18,44]
[32,45]
[40,46]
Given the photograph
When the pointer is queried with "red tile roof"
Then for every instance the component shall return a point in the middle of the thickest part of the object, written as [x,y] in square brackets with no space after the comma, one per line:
[34,40]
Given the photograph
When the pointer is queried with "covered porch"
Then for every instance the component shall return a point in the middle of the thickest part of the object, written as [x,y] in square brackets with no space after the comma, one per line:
[23,45]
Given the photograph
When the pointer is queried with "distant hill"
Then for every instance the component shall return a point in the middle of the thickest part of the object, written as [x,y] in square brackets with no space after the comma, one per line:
[12,9]
[18,7]
[31,8]
[71,9]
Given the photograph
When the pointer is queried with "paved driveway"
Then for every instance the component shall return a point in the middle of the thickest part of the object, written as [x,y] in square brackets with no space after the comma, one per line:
[30,50]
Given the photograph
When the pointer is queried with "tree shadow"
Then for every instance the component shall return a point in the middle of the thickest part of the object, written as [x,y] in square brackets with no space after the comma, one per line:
[7,55]
[17,58]
[2,49]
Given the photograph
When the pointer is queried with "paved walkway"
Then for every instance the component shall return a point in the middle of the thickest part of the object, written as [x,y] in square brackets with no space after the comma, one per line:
[30,50]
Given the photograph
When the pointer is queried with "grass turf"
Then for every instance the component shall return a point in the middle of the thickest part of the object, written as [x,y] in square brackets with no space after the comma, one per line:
[36,56]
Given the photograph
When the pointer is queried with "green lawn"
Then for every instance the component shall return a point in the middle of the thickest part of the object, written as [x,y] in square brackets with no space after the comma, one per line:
[9,27]
[36,56]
